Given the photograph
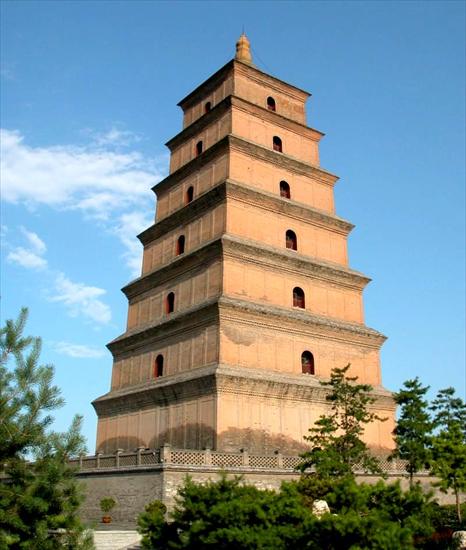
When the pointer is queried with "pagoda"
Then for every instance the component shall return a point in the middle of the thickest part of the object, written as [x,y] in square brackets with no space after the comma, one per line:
[246,301]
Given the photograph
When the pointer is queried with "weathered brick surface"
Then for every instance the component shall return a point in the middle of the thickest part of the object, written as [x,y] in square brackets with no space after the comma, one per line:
[235,329]
[133,490]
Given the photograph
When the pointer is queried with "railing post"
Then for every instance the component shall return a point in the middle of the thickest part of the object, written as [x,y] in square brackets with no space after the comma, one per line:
[279,459]
[166,453]
[207,456]
[245,454]
[118,453]
[98,455]
[138,455]
[80,461]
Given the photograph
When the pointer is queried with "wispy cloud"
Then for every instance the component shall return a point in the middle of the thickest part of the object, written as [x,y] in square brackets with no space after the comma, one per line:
[26,258]
[78,351]
[81,300]
[115,137]
[106,183]
[35,242]
[30,256]
[88,178]
[128,226]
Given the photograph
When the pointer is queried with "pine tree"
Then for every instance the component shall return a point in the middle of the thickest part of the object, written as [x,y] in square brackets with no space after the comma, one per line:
[414,428]
[39,494]
[336,438]
[449,444]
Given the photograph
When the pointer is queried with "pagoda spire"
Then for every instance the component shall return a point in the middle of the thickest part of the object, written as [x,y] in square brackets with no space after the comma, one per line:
[243,50]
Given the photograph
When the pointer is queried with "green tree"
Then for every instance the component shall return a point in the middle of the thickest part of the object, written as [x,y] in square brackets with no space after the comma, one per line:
[39,495]
[449,444]
[227,515]
[376,516]
[336,438]
[413,432]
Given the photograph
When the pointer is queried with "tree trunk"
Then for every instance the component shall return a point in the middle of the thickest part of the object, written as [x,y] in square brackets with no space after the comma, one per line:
[458,505]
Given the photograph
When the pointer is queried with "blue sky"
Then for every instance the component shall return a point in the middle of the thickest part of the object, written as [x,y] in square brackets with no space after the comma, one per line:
[88,98]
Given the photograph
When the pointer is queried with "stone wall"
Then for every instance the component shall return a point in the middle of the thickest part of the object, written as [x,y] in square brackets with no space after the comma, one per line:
[135,479]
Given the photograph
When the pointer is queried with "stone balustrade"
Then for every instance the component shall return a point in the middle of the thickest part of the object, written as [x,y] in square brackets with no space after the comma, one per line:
[168,456]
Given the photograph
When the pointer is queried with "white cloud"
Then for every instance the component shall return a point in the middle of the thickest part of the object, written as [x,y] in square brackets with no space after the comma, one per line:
[105,184]
[81,299]
[26,258]
[29,257]
[78,350]
[35,242]
[115,137]
[89,178]
[129,225]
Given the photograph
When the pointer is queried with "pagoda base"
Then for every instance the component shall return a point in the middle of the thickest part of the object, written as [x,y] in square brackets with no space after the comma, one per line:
[226,408]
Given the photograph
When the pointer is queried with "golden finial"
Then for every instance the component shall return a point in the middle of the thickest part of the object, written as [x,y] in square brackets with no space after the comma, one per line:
[243,50]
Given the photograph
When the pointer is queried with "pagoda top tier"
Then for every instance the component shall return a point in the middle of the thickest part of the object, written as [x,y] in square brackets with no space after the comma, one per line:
[239,77]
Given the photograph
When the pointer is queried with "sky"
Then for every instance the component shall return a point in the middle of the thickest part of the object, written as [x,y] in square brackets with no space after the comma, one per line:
[88,99]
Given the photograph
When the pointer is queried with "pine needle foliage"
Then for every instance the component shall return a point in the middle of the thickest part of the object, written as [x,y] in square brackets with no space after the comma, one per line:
[39,495]
[337,447]
[413,432]
[449,444]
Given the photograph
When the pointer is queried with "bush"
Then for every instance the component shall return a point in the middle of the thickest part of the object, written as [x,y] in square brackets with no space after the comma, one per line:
[230,515]
[107,504]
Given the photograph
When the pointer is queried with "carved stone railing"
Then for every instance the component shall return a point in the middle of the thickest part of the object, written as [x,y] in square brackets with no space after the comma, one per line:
[145,458]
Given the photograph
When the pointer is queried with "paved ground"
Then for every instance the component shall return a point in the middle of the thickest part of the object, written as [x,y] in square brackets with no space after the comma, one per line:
[116,540]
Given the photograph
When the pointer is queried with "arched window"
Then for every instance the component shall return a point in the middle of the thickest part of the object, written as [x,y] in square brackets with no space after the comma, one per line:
[285,190]
[199,148]
[298,297]
[180,245]
[307,362]
[277,144]
[207,107]
[271,104]
[189,194]
[170,302]
[291,240]
[158,367]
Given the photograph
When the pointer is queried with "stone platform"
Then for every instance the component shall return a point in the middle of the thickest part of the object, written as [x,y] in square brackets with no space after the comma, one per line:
[136,478]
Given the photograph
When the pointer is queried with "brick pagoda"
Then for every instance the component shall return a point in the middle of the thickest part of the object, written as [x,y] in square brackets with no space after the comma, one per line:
[246,299]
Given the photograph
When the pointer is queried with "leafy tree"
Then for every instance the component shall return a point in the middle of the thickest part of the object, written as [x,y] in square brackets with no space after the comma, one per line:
[449,444]
[39,496]
[413,432]
[152,525]
[336,438]
[228,515]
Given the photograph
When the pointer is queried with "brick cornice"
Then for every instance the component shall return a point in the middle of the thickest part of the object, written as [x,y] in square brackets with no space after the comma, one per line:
[189,262]
[275,118]
[177,323]
[293,262]
[199,206]
[270,81]
[160,391]
[225,379]
[207,86]
[233,101]
[297,321]
[249,195]
[251,252]
[252,72]
[232,142]
[292,320]
[198,125]
[292,209]
[298,387]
